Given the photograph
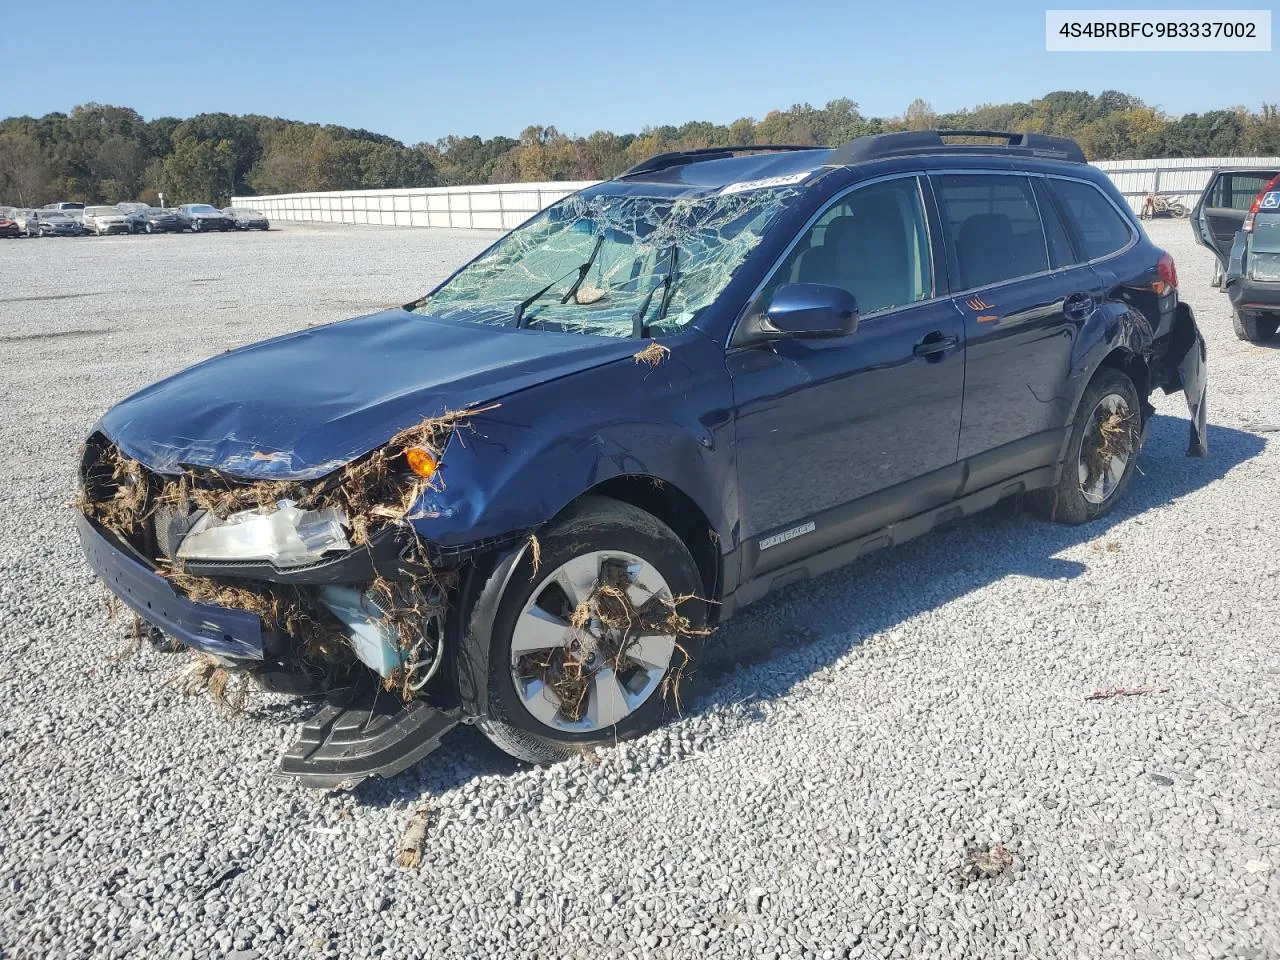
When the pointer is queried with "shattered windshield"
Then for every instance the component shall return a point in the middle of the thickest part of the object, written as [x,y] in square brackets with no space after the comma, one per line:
[612,265]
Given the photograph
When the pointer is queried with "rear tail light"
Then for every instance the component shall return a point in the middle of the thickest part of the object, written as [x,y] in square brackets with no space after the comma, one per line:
[1272,184]
[1168,271]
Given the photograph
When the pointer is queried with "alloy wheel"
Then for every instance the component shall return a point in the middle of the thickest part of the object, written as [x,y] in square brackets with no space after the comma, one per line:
[1109,443]
[592,644]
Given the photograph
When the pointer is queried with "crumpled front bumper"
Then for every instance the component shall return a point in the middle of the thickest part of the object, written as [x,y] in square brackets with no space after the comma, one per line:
[221,631]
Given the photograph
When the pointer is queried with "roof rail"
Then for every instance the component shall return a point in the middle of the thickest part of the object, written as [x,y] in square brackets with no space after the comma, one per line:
[678,158]
[930,141]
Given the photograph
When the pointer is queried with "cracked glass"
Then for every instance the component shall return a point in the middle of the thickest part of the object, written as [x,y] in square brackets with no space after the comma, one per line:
[613,265]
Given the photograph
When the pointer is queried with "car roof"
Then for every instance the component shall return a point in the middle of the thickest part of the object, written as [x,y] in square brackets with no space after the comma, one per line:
[705,172]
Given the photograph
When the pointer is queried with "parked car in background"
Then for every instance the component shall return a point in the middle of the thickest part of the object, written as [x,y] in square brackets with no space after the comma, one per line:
[1252,278]
[202,217]
[158,220]
[28,221]
[72,208]
[131,210]
[56,223]
[246,219]
[1221,209]
[8,223]
[794,358]
[101,221]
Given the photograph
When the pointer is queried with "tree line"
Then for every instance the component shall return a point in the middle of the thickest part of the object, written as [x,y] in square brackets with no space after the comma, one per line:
[104,154]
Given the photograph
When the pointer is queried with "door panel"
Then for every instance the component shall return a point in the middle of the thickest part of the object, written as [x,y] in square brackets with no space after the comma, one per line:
[1221,209]
[1020,316]
[1019,338]
[822,423]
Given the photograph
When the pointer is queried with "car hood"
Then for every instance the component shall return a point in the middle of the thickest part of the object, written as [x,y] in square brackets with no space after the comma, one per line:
[304,404]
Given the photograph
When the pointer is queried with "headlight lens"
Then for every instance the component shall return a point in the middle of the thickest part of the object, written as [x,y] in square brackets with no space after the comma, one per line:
[285,536]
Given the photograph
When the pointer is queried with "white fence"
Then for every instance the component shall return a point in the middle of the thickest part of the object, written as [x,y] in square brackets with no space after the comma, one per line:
[503,206]
[486,207]
[1175,179]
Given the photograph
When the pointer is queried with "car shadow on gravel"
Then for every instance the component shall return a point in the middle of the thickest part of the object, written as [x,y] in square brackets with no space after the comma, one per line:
[949,563]
[789,636]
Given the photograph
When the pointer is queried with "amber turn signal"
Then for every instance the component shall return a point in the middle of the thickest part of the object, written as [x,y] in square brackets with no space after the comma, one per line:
[421,461]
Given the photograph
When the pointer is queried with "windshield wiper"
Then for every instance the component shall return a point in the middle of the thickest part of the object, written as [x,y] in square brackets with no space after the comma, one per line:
[640,329]
[583,270]
[582,274]
[528,302]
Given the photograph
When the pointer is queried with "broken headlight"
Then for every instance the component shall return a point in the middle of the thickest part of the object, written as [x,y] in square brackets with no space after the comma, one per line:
[285,536]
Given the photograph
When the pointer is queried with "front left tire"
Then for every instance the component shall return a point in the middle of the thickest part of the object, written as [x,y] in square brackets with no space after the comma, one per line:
[582,648]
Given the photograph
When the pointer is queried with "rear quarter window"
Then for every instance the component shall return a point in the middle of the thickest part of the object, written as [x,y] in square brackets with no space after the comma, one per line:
[1099,226]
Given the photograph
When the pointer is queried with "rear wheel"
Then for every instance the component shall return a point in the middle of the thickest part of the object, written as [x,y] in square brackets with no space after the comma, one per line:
[591,646]
[1101,454]
[1255,327]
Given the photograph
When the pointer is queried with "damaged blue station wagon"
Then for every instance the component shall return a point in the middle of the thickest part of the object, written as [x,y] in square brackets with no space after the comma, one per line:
[524,499]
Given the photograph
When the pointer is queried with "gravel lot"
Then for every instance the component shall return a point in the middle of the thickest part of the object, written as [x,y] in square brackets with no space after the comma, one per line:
[856,739]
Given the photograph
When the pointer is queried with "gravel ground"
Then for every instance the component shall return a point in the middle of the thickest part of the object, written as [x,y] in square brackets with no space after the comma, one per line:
[857,739]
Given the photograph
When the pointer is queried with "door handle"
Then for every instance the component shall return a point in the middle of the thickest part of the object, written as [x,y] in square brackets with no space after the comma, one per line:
[1078,306]
[934,344]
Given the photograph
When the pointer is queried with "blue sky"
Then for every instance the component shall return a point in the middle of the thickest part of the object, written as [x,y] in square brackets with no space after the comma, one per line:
[419,70]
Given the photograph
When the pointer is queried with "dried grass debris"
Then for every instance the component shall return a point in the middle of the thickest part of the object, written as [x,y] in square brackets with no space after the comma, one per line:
[1125,692]
[984,863]
[409,856]
[606,625]
[205,674]
[654,354]
[1118,435]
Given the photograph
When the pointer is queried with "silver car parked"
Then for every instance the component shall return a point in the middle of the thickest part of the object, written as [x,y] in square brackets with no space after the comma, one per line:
[28,221]
[101,221]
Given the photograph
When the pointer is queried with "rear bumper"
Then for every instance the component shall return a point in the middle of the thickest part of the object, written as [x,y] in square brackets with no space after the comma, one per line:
[203,626]
[1254,294]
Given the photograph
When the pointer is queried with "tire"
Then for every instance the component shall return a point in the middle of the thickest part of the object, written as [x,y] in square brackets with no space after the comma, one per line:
[1255,327]
[596,530]
[1083,492]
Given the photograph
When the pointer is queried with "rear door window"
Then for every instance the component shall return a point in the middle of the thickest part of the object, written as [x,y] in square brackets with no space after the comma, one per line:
[1235,191]
[992,227]
[1099,226]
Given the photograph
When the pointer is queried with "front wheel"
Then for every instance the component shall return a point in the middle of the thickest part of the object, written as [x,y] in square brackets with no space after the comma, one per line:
[593,644]
[1101,453]
[1255,327]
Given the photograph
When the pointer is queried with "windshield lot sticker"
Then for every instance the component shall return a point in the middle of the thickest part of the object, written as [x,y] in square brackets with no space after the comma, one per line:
[1271,201]
[786,535]
[764,184]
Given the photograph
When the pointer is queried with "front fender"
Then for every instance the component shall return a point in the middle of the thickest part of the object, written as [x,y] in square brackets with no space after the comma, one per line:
[515,467]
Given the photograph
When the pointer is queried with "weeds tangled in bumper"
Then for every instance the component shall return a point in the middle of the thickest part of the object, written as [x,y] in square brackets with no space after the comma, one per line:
[372,493]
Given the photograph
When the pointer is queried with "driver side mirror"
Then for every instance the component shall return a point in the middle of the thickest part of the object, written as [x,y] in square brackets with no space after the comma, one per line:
[802,311]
